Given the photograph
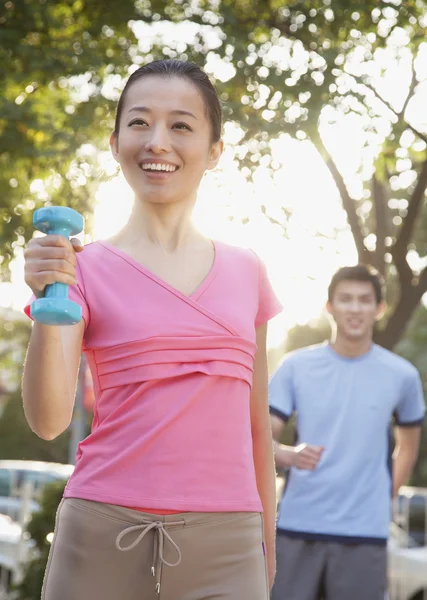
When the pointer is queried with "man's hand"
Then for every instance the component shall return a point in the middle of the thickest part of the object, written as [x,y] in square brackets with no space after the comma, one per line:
[306,456]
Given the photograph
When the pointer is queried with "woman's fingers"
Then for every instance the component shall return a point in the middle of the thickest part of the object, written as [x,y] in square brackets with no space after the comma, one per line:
[51,259]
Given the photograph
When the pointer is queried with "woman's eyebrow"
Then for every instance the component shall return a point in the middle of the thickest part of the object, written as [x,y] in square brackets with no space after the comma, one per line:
[172,112]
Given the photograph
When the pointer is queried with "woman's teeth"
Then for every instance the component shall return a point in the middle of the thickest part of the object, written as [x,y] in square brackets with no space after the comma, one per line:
[158,167]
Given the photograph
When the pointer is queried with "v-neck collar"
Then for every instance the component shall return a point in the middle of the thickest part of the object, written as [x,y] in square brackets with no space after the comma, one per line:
[194,296]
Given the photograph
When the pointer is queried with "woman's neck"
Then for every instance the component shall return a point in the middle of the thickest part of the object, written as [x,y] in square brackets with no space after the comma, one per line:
[168,226]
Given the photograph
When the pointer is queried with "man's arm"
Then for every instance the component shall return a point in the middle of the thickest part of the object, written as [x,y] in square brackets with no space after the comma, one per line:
[303,456]
[405,454]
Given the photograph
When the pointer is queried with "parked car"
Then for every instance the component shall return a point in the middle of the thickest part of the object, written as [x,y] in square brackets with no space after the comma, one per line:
[14,543]
[410,512]
[15,473]
[407,566]
[13,476]
[12,507]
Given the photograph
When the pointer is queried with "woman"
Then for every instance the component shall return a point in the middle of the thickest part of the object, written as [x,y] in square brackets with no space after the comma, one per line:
[173,494]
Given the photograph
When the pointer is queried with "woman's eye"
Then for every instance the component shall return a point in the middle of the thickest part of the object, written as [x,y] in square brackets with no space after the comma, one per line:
[137,122]
[181,126]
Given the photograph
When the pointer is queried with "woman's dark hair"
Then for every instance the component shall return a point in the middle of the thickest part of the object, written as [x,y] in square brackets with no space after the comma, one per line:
[186,70]
[358,273]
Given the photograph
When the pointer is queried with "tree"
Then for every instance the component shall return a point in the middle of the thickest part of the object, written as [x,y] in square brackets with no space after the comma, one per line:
[340,47]
[18,442]
[295,68]
[47,118]
[315,332]
[14,335]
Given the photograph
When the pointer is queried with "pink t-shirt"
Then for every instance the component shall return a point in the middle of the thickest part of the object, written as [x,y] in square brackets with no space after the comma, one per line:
[172,377]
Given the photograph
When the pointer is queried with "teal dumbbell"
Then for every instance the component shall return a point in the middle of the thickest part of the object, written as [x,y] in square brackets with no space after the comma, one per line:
[55,308]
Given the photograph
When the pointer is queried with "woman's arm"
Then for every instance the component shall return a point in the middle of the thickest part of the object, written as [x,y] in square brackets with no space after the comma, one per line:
[263,449]
[50,377]
[52,362]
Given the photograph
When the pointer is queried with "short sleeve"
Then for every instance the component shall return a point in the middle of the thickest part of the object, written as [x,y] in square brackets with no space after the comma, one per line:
[268,303]
[75,293]
[281,392]
[410,410]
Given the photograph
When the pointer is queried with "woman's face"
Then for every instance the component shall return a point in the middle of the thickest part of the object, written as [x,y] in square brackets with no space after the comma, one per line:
[164,142]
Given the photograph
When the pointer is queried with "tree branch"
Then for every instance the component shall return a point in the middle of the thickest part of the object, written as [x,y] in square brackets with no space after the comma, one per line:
[404,271]
[379,197]
[410,91]
[272,220]
[398,115]
[414,207]
[347,201]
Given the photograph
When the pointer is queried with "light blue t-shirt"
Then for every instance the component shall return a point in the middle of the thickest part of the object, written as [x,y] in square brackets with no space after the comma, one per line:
[345,405]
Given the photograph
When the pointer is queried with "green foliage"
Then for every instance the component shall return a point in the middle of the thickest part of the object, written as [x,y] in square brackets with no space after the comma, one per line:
[14,336]
[18,442]
[314,332]
[289,59]
[51,47]
[293,66]
[41,525]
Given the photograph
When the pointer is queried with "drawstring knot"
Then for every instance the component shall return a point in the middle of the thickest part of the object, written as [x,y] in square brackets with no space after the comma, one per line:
[160,536]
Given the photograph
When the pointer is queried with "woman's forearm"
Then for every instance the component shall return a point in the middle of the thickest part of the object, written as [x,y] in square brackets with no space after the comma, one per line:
[47,391]
[266,483]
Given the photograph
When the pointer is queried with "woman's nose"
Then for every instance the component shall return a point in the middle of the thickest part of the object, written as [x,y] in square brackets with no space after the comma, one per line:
[158,141]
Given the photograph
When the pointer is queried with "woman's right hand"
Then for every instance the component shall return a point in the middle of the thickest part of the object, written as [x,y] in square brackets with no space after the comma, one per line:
[50,259]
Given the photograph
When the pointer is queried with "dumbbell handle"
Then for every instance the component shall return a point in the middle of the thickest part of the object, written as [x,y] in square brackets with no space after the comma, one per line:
[58,289]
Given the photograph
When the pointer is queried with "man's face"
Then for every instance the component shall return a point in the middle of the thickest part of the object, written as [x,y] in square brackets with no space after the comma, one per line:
[354,309]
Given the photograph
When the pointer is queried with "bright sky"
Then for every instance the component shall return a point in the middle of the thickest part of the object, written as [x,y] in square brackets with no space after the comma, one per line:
[317,240]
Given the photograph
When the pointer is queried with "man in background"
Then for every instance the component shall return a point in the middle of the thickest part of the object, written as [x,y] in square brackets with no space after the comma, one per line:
[335,512]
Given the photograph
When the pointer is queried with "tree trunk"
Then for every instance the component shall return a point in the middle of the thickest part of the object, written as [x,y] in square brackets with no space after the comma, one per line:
[399,319]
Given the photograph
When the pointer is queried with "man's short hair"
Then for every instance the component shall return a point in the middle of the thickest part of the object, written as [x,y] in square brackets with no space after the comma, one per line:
[358,273]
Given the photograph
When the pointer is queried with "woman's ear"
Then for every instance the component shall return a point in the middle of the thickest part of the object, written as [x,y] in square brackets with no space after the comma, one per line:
[114,145]
[215,154]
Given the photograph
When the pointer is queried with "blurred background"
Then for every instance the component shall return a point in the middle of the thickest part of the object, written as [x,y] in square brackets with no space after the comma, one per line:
[325,107]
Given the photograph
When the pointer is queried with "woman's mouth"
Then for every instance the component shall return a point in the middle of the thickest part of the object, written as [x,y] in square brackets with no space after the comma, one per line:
[158,167]
[155,171]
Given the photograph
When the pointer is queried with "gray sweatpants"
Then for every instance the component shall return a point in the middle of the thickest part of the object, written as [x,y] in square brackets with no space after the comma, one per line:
[106,552]
[320,570]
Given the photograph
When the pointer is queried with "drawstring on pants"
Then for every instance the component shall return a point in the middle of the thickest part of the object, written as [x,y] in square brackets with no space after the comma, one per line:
[160,534]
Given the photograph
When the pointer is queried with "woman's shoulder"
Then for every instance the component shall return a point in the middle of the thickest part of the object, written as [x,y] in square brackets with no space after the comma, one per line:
[238,254]
[94,253]
[93,264]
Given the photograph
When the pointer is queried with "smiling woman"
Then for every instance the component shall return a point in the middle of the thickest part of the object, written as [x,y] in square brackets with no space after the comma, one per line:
[174,329]
[172,131]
